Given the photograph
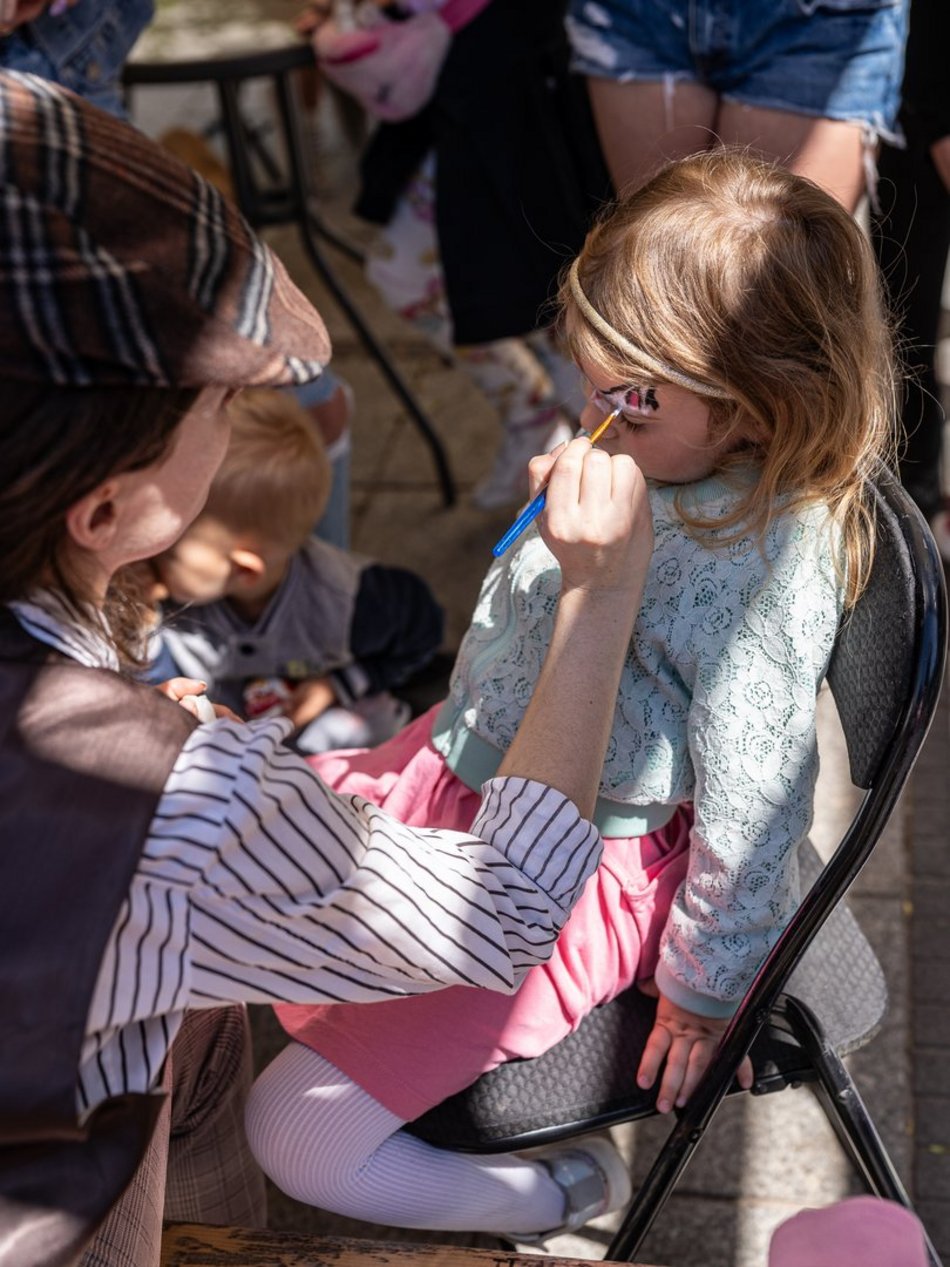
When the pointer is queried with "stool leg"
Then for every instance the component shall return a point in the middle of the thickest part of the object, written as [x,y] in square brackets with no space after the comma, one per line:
[307,230]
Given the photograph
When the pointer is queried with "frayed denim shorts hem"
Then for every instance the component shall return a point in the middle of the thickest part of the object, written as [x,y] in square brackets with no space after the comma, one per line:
[833,59]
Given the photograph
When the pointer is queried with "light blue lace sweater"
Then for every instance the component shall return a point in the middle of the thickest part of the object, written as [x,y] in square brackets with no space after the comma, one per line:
[716,707]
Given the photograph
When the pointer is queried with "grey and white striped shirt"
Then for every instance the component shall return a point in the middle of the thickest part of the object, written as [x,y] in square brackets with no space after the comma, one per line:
[259,884]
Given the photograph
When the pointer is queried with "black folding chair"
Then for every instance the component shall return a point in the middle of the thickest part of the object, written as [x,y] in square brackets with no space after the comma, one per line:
[820,993]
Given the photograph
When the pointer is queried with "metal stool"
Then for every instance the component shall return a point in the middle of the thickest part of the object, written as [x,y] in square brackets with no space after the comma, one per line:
[284,201]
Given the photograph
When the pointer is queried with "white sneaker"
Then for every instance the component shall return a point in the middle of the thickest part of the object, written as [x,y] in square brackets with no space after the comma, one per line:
[507,482]
[594,1177]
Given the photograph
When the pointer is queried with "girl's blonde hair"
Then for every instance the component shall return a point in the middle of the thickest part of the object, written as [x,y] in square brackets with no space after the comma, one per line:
[750,285]
[275,478]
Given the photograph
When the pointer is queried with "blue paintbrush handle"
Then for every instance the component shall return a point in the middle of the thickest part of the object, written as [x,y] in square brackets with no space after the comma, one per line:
[527,516]
[534,508]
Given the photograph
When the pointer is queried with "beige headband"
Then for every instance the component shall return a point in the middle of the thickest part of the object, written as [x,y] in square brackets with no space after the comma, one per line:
[638,354]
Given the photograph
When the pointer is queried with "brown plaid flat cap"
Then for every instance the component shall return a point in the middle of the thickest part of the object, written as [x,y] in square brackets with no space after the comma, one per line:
[118,264]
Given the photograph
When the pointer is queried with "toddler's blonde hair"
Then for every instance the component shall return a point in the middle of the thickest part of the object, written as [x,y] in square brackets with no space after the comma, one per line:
[275,478]
[728,274]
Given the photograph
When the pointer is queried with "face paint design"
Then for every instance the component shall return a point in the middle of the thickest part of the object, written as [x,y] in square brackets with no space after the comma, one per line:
[632,402]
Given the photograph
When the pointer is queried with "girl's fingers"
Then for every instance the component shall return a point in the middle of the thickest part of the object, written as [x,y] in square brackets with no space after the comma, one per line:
[746,1075]
[674,1074]
[654,1053]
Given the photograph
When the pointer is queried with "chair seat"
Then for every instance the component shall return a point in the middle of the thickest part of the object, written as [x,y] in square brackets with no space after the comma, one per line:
[586,1082]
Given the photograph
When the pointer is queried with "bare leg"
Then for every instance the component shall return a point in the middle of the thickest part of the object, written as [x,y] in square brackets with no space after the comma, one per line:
[642,125]
[827,151]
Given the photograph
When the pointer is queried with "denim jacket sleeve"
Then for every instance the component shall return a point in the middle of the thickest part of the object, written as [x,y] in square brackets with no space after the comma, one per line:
[84,48]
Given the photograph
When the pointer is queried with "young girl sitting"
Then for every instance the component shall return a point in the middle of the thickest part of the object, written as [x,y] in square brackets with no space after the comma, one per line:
[730,311]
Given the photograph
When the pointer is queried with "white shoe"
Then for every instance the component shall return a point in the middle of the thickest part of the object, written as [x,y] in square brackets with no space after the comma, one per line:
[594,1177]
[507,482]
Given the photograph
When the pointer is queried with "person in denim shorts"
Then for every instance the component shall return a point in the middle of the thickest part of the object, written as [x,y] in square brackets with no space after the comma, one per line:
[812,83]
[82,46]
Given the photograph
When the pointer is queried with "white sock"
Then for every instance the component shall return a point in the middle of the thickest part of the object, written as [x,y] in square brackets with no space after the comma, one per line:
[325,1141]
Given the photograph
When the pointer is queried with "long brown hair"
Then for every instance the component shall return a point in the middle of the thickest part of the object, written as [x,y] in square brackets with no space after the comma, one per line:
[56,445]
[752,280]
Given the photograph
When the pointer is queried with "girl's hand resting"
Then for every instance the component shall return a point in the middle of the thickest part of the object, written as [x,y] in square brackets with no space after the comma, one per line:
[597,520]
[686,1042]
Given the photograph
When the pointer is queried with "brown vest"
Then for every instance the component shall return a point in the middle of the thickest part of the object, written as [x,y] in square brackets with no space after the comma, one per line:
[84,755]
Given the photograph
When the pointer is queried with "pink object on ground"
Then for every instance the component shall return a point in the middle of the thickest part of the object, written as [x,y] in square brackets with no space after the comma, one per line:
[857,1232]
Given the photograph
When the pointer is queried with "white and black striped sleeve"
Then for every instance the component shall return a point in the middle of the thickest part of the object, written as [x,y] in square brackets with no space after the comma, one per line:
[257,883]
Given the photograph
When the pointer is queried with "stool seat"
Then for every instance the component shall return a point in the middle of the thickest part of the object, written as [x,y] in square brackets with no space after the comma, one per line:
[243,64]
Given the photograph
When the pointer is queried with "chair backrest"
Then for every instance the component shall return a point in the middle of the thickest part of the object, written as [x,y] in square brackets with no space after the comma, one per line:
[885,676]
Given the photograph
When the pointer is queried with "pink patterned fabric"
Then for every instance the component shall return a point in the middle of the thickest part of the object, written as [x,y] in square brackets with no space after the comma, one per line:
[410,1053]
[858,1232]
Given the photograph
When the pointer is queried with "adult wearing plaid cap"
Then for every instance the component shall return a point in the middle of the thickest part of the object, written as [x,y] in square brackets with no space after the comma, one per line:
[157,874]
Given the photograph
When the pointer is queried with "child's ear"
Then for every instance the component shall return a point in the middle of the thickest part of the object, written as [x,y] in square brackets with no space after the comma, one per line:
[248,565]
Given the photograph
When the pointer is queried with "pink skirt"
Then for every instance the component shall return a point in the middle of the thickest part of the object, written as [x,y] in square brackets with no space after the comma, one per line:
[411,1053]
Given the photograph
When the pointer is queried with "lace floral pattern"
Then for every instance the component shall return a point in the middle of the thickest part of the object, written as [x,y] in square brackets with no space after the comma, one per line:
[716,706]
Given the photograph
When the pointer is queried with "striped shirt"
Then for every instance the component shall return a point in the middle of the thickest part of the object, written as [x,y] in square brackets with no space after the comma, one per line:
[258,884]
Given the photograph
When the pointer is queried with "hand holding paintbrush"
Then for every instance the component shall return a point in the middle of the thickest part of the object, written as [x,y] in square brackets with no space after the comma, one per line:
[537,503]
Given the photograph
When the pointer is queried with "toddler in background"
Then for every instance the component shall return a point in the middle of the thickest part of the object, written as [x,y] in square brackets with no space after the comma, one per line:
[728,314]
[276,621]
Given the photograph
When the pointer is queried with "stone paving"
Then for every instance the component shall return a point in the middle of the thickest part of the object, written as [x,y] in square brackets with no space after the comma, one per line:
[763,1158]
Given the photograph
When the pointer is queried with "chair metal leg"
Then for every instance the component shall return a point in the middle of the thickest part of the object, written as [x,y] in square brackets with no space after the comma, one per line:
[847,1112]
[653,1193]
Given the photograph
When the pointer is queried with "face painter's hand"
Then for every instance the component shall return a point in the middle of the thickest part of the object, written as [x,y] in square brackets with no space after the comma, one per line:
[597,520]
[186,691]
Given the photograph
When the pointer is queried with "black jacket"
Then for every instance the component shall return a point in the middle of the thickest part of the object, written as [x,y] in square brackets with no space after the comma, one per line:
[519,172]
